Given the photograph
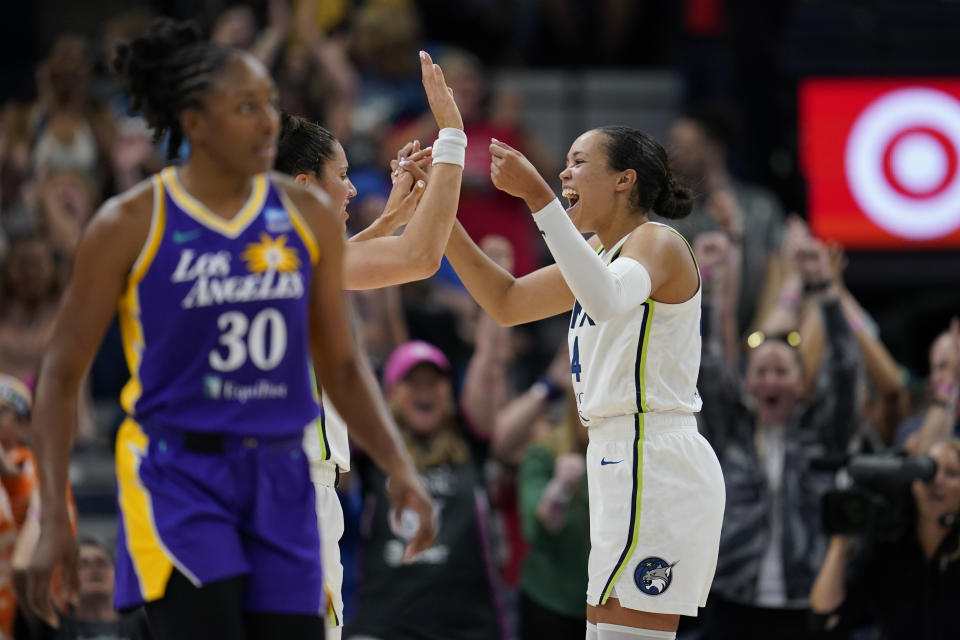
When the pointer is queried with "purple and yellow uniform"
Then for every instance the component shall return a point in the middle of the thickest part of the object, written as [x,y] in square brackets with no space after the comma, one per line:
[212,477]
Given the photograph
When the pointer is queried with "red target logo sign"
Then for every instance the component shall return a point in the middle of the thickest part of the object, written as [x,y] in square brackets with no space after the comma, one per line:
[881,161]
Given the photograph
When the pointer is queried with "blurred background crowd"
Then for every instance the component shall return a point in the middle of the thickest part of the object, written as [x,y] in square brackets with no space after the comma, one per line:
[810,351]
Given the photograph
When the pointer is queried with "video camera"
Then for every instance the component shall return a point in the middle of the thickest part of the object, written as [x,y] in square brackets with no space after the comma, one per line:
[879,501]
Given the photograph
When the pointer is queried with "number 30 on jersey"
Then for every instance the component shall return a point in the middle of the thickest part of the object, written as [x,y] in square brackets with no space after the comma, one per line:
[248,339]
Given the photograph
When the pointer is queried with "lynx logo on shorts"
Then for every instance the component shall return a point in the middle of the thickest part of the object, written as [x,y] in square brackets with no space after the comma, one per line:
[653,575]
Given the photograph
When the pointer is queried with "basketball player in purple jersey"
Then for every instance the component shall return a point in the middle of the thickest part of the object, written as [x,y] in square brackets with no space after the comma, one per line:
[227,280]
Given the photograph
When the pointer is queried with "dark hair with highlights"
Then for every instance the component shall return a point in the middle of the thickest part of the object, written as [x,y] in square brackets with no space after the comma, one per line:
[656,189]
[304,146]
[167,69]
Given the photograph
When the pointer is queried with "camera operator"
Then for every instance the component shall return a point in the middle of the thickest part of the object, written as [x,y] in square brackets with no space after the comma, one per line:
[909,585]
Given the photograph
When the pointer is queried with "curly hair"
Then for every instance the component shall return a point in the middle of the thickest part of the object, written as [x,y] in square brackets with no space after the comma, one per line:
[167,69]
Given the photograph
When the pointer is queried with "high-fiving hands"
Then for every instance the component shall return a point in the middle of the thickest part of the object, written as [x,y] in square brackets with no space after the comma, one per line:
[512,173]
[439,95]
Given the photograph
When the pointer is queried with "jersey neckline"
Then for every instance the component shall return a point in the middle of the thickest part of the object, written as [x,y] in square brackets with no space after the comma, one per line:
[232,227]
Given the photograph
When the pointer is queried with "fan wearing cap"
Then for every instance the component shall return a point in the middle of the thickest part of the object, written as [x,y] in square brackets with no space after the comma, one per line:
[446,591]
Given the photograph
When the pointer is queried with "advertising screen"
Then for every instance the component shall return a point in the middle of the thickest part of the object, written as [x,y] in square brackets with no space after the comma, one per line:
[880,157]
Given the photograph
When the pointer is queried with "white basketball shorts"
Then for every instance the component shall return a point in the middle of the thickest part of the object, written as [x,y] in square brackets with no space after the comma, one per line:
[656,506]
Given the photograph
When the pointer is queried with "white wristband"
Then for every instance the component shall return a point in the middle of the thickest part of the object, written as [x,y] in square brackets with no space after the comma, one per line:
[450,147]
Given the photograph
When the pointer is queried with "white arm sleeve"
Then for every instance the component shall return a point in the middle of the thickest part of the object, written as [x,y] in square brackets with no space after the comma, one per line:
[603,291]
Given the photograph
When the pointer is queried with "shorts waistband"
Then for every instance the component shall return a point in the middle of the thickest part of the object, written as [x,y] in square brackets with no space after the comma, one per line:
[325,472]
[217,443]
[653,424]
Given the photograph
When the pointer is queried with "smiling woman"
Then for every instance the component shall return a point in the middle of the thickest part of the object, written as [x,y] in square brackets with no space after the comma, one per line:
[229,288]
[449,591]
[767,432]
[656,490]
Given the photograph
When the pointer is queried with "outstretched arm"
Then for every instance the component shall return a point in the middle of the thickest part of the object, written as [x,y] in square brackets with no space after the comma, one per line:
[510,300]
[507,299]
[653,262]
[485,389]
[719,383]
[485,384]
[833,411]
[416,254]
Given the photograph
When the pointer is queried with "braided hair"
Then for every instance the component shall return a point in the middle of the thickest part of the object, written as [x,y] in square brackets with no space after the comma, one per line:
[167,69]
[656,189]
[304,146]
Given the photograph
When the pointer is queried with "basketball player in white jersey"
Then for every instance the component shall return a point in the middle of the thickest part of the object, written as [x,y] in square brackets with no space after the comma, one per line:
[313,156]
[655,486]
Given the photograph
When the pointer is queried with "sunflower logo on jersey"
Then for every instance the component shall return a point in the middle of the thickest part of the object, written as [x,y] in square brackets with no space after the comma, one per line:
[270,254]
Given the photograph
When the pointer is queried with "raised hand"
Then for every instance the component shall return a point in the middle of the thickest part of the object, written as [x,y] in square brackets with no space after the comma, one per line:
[512,173]
[413,159]
[439,95]
[403,200]
[402,154]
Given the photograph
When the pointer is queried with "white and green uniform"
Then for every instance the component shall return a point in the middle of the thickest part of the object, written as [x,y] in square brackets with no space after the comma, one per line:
[655,486]
[328,448]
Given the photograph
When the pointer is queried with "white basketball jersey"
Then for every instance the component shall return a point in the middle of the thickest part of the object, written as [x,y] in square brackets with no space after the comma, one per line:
[645,360]
[327,439]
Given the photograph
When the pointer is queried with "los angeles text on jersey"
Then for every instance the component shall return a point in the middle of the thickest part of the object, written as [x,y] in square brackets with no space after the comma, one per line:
[272,273]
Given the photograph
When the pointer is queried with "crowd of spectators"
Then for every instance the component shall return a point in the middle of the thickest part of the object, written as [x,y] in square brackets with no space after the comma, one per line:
[794,369]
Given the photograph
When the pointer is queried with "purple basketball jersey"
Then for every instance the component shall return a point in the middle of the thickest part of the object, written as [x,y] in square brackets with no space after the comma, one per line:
[214,316]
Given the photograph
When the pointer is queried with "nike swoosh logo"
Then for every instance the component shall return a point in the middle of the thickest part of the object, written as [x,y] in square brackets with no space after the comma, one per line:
[180,237]
[604,462]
